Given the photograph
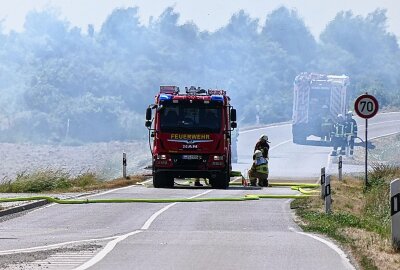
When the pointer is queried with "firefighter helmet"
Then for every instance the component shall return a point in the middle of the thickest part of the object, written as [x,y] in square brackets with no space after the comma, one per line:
[258,154]
[264,137]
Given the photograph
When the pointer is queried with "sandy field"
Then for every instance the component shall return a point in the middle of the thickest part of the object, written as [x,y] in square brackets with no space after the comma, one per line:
[105,159]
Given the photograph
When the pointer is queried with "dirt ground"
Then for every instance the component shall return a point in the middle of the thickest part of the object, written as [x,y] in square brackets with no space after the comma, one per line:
[105,159]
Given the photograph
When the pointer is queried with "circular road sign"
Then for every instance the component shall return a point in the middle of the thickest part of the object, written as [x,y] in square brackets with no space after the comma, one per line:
[366,106]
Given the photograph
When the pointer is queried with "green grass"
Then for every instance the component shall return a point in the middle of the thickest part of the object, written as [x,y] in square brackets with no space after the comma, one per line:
[367,263]
[59,181]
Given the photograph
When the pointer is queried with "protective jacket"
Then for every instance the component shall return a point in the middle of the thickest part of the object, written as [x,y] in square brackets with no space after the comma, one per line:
[260,165]
[351,128]
[263,146]
[339,130]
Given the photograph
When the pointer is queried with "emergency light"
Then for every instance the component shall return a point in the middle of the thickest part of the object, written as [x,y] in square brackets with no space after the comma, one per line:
[169,89]
[217,98]
[216,92]
[165,97]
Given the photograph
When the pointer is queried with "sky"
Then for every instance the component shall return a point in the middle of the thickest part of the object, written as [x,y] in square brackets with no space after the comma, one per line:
[206,14]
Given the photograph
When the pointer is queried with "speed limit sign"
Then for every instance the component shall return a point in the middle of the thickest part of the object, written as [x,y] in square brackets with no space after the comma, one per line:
[366,106]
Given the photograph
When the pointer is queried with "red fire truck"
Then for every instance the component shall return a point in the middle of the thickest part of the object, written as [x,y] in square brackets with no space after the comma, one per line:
[191,134]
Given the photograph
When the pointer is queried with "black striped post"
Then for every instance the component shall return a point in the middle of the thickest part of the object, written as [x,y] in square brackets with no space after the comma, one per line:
[323,183]
[124,165]
[395,212]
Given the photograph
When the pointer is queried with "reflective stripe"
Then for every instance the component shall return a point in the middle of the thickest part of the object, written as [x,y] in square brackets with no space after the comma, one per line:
[339,128]
[262,168]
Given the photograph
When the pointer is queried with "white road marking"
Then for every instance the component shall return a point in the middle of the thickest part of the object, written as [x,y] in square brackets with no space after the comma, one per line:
[111,245]
[385,135]
[331,245]
[107,249]
[88,196]
[159,212]
[279,144]
[379,123]
[147,224]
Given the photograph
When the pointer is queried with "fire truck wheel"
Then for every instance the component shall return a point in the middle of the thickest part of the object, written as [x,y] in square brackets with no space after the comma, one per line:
[162,180]
[220,181]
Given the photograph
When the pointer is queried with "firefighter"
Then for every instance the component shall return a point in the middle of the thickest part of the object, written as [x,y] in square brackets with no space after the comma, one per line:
[263,145]
[197,182]
[259,170]
[338,136]
[326,124]
[350,131]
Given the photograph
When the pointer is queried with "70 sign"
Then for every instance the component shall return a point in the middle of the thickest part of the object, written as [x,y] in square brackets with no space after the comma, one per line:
[366,106]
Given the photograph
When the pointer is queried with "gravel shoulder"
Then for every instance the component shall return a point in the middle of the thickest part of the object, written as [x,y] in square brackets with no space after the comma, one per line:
[104,159]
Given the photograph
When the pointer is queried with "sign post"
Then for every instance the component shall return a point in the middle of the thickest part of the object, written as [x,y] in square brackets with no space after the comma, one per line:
[366,106]
[340,166]
[395,212]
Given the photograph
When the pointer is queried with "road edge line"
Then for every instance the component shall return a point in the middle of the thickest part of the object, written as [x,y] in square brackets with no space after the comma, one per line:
[345,258]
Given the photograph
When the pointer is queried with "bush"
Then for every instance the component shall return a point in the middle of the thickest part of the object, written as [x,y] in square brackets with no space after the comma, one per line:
[377,206]
[85,180]
[48,180]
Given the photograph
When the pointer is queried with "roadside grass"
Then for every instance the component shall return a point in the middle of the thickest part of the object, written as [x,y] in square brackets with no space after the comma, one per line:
[60,181]
[360,219]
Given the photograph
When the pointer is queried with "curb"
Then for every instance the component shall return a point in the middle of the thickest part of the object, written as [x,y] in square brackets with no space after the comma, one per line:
[24,207]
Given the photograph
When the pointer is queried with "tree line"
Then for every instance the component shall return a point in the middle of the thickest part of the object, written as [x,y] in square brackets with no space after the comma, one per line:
[60,83]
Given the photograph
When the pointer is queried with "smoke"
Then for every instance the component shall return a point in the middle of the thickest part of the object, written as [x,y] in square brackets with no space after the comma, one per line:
[52,74]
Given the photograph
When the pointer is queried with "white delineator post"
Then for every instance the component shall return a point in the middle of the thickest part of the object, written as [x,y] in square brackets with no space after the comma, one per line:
[340,166]
[328,199]
[124,165]
[395,212]
[323,183]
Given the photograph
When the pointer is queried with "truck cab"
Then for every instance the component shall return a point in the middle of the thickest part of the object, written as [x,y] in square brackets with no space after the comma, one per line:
[191,134]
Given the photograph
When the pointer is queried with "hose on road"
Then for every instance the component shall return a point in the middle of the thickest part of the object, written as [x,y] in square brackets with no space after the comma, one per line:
[87,201]
[294,186]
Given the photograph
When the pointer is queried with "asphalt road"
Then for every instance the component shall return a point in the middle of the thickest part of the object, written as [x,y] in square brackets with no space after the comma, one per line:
[298,162]
[209,235]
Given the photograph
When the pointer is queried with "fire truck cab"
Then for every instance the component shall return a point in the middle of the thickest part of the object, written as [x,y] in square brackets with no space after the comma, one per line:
[191,134]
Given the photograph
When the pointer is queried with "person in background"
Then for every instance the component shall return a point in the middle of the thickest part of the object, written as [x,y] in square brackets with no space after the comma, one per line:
[350,129]
[326,124]
[263,146]
[338,136]
[259,170]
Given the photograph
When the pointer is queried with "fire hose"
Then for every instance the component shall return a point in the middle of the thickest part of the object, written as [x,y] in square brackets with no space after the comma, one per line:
[306,190]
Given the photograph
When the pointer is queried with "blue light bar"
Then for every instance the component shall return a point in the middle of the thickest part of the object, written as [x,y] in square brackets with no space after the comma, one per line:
[165,97]
[217,98]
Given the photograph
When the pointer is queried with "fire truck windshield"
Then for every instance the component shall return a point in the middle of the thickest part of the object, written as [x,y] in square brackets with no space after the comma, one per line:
[190,118]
